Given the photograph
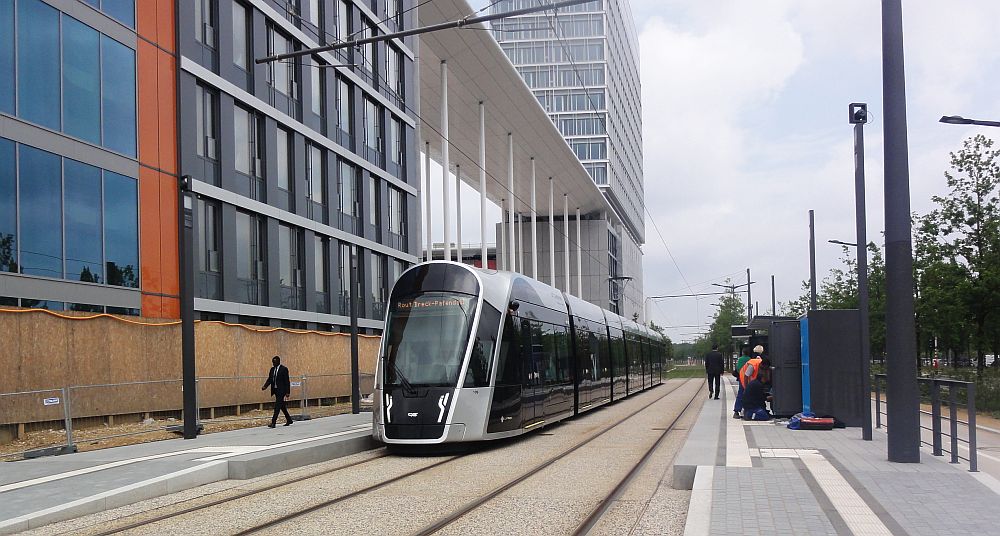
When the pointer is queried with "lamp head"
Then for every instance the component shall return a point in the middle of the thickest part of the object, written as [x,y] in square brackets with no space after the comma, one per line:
[858,113]
[955,120]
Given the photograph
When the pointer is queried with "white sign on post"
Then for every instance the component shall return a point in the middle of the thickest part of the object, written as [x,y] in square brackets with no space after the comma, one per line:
[296,384]
[51,401]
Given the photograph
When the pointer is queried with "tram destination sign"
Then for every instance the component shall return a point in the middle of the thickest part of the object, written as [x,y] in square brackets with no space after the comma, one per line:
[428,304]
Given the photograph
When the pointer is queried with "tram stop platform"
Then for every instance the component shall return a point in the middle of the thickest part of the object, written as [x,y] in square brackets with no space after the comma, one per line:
[40,491]
[762,478]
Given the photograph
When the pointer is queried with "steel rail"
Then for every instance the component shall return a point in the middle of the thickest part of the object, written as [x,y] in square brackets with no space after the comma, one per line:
[199,507]
[469,507]
[598,513]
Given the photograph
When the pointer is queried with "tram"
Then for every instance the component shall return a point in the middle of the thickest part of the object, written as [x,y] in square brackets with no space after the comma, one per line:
[470,354]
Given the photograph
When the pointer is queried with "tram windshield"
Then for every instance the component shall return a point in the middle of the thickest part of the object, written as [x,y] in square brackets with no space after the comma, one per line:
[426,338]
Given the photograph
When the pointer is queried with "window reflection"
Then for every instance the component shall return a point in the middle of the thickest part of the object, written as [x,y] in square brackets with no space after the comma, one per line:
[8,207]
[41,212]
[38,63]
[84,236]
[121,224]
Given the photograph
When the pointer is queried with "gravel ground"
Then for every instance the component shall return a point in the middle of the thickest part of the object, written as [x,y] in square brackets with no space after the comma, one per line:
[554,501]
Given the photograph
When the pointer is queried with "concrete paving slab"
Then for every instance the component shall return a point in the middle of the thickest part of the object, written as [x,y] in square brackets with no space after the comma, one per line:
[37,492]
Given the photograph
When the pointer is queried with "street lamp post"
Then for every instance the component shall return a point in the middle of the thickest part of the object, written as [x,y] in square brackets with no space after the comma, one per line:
[858,117]
[901,368]
[188,370]
[812,261]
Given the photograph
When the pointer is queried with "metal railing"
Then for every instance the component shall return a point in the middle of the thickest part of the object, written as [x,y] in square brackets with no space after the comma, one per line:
[138,401]
[931,393]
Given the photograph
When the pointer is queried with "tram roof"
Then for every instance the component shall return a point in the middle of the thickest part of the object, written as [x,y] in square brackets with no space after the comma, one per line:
[480,71]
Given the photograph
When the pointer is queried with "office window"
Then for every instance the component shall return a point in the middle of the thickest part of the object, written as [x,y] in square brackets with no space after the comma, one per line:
[372,123]
[314,14]
[282,73]
[289,258]
[344,99]
[40,181]
[206,120]
[38,63]
[368,49]
[315,175]
[205,22]
[396,141]
[318,86]
[251,253]
[344,274]
[209,243]
[373,201]
[377,285]
[81,49]
[84,235]
[284,158]
[241,36]
[121,230]
[397,211]
[393,79]
[7,57]
[8,207]
[343,20]
[122,10]
[348,188]
[118,81]
[246,138]
[321,262]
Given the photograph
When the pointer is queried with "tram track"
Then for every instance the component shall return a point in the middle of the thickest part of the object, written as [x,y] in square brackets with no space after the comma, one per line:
[205,508]
[229,498]
[595,516]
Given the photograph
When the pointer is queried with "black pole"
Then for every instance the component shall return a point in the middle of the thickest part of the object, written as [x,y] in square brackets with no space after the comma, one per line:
[900,332]
[355,374]
[774,307]
[862,241]
[812,261]
[749,301]
[186,254]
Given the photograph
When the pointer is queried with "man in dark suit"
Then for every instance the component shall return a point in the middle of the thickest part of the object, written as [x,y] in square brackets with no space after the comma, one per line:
[714,365]
[277,378]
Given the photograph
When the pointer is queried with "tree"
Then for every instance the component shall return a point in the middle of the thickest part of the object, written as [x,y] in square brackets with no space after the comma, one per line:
[668,345]
[959,246]
[731,312]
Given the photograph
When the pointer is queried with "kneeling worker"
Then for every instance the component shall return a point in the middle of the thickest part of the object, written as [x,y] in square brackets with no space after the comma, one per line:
[756,397]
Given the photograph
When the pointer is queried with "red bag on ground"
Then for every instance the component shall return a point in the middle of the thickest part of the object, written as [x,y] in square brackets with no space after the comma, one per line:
[816,423]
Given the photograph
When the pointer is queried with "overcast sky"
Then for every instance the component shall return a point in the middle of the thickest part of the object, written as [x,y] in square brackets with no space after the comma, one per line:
[745,129]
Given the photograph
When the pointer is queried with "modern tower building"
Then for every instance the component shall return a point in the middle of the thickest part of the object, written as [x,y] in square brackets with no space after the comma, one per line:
[106,104]
[583,66]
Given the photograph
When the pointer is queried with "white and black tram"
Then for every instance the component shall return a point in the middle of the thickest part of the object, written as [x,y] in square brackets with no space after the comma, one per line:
[470,355]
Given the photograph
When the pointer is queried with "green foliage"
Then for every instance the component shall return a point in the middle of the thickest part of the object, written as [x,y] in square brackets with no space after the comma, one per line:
[957,260]
[731,312]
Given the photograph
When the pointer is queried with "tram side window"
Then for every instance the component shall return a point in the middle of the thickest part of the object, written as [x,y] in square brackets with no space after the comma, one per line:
[534,355]
[508,372]
[584,351]
[478,374]
[557,344]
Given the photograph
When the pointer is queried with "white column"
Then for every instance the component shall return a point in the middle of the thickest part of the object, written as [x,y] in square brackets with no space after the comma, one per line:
[520,242]
[458,212]
[502,242]
[445,184]
[579,257]
[429,245]
[552,235]
[510,188]
[534,225]
[566,241]
[482,181]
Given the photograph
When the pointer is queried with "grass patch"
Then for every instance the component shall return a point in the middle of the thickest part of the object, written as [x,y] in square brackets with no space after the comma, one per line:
[696,371]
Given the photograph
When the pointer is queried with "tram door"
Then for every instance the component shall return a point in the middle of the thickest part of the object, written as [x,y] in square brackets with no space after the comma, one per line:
[533,361]
[584,368]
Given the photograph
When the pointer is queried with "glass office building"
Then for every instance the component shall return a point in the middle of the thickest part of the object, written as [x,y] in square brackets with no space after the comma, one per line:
[105,104]
[583,67]
[69,156]
[296,162]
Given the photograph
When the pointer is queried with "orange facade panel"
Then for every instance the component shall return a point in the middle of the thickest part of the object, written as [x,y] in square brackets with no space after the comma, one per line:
[170,308]
[152,306]
[149,230]
[166,100]
[169,265]
[164,23]
[145,21]
[149,109]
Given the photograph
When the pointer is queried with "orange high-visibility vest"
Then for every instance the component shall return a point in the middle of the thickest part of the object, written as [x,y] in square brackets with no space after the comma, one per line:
[749,371]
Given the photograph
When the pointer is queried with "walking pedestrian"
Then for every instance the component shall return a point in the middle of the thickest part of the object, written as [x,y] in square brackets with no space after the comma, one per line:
[281,387]
[714,365]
